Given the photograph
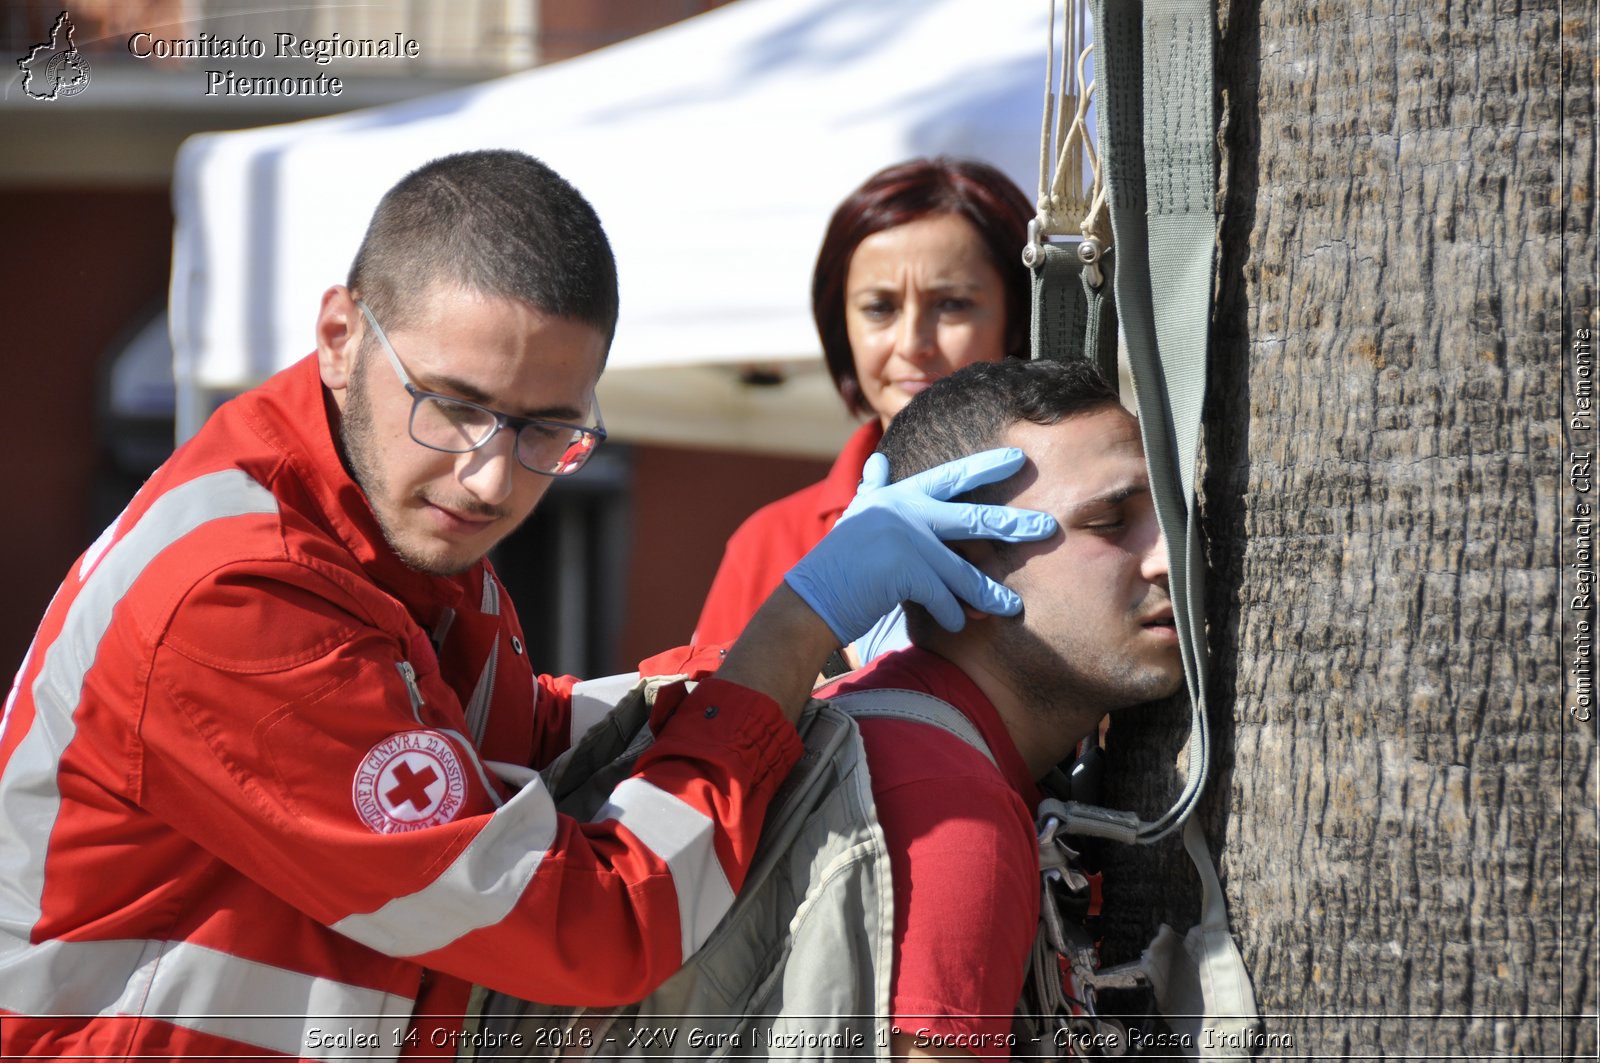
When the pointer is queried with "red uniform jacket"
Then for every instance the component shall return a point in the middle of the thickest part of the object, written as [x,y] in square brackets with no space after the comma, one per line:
[247,801]
[777,535]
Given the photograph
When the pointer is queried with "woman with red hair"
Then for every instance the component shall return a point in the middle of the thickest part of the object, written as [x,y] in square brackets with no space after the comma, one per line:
[920,273]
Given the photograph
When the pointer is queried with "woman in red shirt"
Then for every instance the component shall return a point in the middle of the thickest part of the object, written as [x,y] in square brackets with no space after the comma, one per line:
[920,273]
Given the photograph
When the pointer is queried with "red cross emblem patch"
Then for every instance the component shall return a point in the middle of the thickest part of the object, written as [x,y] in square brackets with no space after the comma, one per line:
[409,781]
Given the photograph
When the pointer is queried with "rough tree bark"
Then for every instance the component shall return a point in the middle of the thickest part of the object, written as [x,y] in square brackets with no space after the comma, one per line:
[1404,809]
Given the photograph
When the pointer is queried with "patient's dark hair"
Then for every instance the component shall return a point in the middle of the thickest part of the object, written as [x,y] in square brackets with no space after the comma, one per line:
[498,223]
[970,409]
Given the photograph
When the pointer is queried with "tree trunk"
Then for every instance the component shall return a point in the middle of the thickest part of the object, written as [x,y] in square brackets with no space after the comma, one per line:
[1405,806]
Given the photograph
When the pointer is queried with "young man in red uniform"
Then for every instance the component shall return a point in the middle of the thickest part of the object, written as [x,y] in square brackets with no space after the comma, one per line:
[254,794]
[1095,635]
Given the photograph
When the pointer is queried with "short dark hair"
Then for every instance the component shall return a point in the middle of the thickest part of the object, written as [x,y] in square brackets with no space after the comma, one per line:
[499,223]
[903,193]
[970,409]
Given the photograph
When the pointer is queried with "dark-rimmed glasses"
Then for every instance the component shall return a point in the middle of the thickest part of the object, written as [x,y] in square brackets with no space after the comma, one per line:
[456,426]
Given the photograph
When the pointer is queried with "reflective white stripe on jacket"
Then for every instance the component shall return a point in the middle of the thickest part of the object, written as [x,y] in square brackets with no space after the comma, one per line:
[243,793]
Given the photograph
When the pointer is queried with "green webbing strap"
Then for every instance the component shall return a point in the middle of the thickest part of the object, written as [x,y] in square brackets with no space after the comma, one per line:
[1156,137]
[1157,152]
[1072,317]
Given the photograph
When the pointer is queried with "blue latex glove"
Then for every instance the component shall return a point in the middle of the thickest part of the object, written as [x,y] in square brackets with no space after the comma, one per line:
[887,548]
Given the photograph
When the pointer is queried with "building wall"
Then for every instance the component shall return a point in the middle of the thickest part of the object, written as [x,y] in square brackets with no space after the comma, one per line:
[85,265]
[685,505]
[572,27]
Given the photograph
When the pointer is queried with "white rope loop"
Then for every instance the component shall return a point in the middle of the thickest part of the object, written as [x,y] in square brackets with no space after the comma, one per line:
[1065,205]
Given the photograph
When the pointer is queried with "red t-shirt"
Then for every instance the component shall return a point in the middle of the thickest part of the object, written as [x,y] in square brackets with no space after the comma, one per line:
[777,535]
[964,856]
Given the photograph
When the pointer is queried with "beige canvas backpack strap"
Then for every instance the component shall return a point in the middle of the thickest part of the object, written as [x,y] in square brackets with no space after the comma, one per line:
[897,704]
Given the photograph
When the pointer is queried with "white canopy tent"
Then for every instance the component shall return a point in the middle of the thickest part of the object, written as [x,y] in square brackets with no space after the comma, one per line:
[714,151]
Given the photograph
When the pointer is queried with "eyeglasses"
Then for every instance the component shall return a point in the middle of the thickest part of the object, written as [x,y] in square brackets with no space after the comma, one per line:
[456,426]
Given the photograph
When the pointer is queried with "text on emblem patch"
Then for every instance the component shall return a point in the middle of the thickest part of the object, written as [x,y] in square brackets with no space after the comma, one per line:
[409,781]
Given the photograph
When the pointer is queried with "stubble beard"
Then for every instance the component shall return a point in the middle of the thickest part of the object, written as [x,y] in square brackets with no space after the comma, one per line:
[356,433]
[1058,681]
